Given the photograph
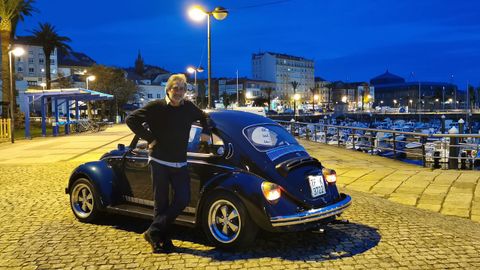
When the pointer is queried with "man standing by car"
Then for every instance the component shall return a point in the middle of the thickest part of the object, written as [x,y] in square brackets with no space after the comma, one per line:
[167,131]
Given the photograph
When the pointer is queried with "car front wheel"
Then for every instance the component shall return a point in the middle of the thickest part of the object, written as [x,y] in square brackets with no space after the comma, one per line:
[226,221]
[84,200]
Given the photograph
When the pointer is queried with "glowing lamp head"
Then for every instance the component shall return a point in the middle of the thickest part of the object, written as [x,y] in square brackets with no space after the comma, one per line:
[190,70]
[271,191]
[249,95]
[344,99]
[197,13]
[315,97]
[91,78]
[18,51]
[296,97]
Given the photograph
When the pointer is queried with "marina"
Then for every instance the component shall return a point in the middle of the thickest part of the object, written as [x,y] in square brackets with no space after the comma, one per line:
[438,143]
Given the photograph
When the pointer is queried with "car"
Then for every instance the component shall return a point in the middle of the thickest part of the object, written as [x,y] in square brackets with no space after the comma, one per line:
[253,176]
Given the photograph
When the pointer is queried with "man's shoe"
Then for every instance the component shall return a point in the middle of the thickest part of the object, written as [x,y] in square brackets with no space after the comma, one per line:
[156,247]
[168,246]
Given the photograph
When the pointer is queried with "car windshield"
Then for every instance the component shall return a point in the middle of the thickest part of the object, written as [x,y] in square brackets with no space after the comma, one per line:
[268,137]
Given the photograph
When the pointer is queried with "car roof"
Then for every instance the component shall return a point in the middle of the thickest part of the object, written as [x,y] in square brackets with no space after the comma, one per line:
[231,121]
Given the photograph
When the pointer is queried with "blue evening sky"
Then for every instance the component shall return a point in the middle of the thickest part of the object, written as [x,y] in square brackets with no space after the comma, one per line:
[352,40]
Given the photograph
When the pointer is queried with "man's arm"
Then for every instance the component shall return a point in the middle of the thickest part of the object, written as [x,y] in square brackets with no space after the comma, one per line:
[136,120]
[204,122]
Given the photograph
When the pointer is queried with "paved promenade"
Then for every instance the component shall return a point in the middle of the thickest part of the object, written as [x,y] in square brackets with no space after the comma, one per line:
[38,230]
[450,192]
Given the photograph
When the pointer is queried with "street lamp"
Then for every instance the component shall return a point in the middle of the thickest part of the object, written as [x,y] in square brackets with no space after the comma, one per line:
[18,51]
[315,100]
[394,103]
[90,78]
[89,104]
[43,85]
[296,98]
[194,71]
[197,13]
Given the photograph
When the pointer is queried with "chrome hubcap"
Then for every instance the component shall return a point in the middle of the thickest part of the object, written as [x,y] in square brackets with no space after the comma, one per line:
[82,200]
[224,221]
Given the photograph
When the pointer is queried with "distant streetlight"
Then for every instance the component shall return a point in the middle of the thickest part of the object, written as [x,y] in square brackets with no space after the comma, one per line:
[90,78]
[89,104]
[248,95]
[344,99]
[18,51]
[194,71]
[381,101]
[198,13]
[43,85]
[315,100]
[296,98]
[394,103]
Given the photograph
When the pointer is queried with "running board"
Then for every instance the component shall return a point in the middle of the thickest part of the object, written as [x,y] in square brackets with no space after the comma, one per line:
[147,213]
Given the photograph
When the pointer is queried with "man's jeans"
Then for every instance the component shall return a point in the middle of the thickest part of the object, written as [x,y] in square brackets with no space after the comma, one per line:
[165,214]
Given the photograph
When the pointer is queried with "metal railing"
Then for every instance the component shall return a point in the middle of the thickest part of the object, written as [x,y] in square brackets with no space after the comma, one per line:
[447,151]
[5,128]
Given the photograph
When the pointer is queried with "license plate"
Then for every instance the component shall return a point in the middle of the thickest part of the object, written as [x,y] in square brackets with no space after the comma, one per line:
[317,185]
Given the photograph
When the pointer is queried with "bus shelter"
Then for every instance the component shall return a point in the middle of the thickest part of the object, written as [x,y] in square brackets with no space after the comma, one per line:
[68,98]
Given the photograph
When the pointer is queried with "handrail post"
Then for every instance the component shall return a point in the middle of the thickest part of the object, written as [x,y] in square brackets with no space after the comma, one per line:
[325,129]
[372,142]
[314,132]
[394,146]
[338,137]
[424,160]
[353,139]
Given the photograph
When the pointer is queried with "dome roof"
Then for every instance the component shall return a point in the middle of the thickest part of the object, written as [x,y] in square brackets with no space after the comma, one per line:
[387,78]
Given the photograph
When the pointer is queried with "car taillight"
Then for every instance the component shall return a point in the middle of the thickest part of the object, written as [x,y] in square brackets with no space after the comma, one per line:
[330,176]
[271,191]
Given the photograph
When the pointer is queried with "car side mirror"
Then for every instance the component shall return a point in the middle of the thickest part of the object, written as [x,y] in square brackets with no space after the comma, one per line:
[121,147]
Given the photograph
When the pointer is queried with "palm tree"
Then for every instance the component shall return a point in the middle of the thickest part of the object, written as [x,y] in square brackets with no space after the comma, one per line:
[268,91]
[46,36]
[314,91]
[11,11]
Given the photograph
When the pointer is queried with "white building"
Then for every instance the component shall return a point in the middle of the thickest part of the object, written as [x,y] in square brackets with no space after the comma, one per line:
[31,66]
[283,69]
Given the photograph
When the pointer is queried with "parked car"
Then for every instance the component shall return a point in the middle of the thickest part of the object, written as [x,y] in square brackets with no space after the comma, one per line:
[253,176]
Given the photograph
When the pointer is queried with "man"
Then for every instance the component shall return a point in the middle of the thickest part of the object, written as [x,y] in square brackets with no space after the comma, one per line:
[167,133]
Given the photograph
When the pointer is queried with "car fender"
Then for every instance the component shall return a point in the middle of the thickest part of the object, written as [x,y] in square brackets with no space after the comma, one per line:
[247,187]
[100,174]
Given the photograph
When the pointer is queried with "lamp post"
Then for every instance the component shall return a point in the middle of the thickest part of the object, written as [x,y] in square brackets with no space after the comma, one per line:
[89,104]
[194,71]
[296,98]
[18,51]
[315,99]
[198,13]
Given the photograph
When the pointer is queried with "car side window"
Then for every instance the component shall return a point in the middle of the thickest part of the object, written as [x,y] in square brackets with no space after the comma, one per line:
[196,146]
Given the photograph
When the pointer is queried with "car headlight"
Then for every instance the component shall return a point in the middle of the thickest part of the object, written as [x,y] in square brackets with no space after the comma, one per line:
[271,191]
[330,176]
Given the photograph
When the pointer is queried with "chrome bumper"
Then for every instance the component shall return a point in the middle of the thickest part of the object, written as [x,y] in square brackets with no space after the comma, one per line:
[313,214]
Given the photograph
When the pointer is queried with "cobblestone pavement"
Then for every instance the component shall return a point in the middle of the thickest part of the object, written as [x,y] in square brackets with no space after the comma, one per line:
[450,192]
[38,231]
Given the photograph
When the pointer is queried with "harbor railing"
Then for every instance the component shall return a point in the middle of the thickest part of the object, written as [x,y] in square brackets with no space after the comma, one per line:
[446,151]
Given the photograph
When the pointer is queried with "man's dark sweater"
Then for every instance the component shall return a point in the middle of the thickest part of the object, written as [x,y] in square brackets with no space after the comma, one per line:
[169,126]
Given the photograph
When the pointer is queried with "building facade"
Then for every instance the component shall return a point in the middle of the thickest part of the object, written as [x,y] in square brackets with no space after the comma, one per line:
[31,66]
[283,69]
[392,90]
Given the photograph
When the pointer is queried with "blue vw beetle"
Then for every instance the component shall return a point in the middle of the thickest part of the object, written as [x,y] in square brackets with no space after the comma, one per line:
[253,176]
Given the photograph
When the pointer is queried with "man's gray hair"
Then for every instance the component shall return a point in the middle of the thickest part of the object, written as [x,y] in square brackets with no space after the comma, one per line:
[179,78]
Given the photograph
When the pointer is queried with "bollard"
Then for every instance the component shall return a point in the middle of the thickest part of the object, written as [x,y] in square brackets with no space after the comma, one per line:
[453,152]
[463,161]
[436,160]
[442,129]
[461,126]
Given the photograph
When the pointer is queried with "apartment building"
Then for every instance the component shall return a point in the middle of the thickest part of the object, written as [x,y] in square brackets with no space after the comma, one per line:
[283,69]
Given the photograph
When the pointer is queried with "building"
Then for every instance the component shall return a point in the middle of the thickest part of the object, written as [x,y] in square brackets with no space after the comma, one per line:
[392,90]
[254,88]
[31,66]
[283,69]
[324,92]
[151,81]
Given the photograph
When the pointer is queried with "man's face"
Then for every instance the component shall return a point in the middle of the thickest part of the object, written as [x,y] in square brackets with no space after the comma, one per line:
[177,92]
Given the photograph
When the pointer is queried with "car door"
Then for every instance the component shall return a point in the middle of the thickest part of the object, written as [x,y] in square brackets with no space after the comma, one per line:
[137,173]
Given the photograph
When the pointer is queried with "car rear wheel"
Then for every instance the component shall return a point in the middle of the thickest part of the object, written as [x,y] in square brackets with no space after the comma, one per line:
[84,200]
[226,222]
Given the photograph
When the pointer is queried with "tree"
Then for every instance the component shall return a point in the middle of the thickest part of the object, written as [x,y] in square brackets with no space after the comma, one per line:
[46,36]
[11,12]
[268,91]
[226,99]
[112,81]
[314,91]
